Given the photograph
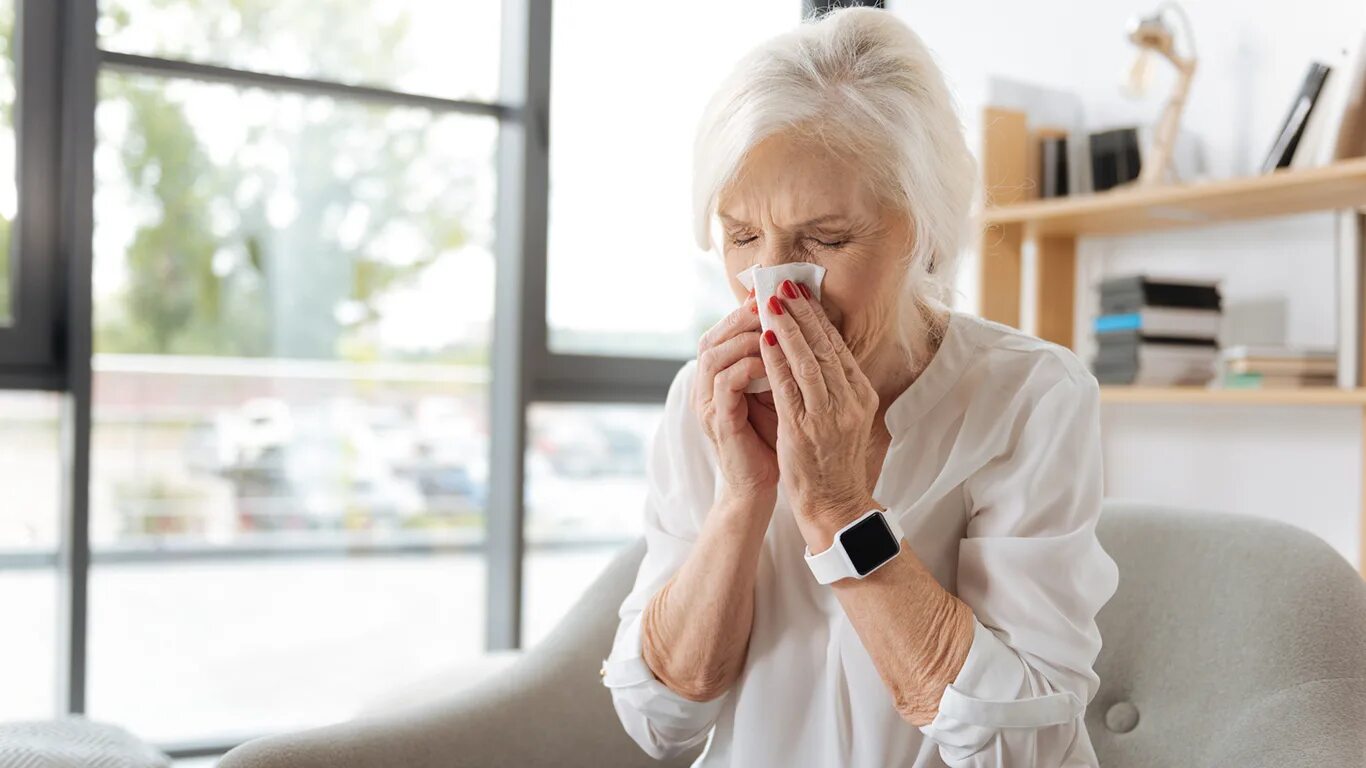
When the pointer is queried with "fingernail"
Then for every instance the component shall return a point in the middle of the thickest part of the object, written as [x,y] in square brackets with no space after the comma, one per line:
[789,289]
[806,292]
[751,293]
[775,306]
[771,338]
[754,309]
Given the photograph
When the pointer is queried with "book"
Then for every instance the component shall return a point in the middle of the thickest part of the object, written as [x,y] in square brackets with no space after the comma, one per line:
[1156,364]
[1336,129]
[1279,353]
[1163,321]
[1288,138]
[1264,381]
[1115,158]
[1131,293]
[1053,171]
[1125,339]
[1283,367]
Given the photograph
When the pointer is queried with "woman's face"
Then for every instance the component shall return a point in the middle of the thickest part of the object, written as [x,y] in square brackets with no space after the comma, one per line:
[794,200]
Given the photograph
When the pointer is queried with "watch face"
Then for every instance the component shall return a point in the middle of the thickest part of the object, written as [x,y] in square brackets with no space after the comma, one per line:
[870,543]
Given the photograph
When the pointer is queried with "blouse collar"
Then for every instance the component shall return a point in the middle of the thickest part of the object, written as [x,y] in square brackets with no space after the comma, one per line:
[945,368]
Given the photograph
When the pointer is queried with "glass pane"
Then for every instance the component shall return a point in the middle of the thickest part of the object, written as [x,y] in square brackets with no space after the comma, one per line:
[436,47]
[585,491]
[9,196]
[624,274]
[30,473]
[292,306]
[195,647]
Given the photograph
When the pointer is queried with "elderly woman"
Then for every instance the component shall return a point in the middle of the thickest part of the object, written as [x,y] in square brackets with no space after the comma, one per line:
[890,558]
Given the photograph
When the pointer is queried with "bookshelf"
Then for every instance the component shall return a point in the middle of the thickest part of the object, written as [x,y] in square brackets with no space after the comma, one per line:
[1140,209]
[1201,396]
[1013,220]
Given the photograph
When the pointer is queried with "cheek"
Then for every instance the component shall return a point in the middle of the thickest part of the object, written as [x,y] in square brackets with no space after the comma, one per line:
[861,305]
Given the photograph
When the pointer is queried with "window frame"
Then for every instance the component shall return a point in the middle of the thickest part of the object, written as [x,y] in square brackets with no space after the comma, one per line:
[29,342]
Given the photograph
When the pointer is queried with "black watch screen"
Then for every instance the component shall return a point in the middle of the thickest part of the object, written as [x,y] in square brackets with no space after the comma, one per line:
[870,543]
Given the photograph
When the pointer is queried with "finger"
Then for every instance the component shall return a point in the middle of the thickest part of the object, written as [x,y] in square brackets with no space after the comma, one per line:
[852,371]
[722,356]
[803,311]
[787,393]
[743,318]
[805,369]
[730,390]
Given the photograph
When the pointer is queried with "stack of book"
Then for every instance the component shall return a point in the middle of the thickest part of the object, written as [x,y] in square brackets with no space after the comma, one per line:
[1157,332]
[1279,367]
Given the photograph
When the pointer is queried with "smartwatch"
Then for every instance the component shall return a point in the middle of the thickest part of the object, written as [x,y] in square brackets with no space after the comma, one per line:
[859,548]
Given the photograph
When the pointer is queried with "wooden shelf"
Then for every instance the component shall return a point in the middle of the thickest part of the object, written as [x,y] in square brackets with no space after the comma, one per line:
[1144,209]
[1203,396]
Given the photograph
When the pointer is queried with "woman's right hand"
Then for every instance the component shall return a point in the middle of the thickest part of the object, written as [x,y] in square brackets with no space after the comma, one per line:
[727,360]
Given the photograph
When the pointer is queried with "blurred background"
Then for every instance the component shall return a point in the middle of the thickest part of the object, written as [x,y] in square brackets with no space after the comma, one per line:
[334,334]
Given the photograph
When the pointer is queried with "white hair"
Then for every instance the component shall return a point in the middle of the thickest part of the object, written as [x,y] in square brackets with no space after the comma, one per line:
[861,82]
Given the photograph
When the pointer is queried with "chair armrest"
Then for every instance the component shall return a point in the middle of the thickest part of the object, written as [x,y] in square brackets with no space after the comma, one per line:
[1314,723]
[548,708]
[522,718]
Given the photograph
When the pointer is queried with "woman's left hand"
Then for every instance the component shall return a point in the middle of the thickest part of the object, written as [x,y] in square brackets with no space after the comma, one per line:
[826,407]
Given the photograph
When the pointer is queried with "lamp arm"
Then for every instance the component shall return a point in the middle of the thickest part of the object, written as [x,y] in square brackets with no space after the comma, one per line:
[1164,134]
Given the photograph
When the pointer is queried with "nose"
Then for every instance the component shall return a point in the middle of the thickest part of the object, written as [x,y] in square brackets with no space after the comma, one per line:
[777,249]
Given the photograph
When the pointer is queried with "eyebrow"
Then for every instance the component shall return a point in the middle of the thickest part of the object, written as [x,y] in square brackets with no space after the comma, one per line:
[826,219]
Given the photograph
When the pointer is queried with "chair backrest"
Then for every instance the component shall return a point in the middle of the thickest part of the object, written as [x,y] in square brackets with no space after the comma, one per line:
[1232,641]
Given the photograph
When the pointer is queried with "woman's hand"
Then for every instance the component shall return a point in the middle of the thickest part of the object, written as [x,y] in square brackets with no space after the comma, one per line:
[826,407]
[740,426]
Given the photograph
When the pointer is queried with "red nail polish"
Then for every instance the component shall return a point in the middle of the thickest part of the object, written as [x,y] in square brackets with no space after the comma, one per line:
[771,338]
[789,290]
[806,292]
[751,293]
[775,306]
[754,309]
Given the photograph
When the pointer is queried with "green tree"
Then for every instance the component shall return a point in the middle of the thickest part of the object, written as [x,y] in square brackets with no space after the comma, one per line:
[7,90]
[287,244]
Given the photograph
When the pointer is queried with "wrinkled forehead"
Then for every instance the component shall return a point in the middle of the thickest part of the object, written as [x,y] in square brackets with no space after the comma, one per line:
[787,182]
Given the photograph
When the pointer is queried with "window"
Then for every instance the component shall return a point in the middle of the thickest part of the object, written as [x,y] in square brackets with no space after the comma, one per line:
[433,47]
[585,495]
[625,277]
[30,474]
[292,297]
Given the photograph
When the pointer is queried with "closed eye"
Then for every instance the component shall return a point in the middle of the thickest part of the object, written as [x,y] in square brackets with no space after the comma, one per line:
[830,243]
[741,240]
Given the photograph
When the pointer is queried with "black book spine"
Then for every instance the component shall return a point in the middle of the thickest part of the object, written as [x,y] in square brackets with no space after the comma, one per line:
[1283,149]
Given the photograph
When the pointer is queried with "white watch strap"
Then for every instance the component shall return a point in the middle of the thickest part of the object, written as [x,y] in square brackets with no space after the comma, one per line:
[830,565]
[833,564]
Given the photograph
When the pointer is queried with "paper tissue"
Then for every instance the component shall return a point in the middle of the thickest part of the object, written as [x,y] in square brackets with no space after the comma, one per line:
[764,281]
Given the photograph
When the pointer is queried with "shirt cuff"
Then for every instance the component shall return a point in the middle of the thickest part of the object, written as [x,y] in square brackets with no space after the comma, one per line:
[986,697]
[670,717]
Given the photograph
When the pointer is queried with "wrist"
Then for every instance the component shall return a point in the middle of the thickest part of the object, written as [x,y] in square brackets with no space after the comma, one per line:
[820,525]
[744,510]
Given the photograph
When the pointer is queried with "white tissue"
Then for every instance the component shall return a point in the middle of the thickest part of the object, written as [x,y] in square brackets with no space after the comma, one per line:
[764,281]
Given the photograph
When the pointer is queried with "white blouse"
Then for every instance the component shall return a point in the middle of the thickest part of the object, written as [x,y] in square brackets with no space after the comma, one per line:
[994,471]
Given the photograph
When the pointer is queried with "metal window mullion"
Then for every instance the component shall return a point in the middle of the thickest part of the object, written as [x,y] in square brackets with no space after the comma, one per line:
[27,342]
[191,70]
[519,331]
[567,378]
[78,68]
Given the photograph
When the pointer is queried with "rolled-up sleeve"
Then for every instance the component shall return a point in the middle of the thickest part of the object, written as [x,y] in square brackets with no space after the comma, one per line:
[680,482]
[1035,576]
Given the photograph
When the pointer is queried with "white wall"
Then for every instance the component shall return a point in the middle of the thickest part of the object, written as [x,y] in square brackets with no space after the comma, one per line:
[1300,465]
